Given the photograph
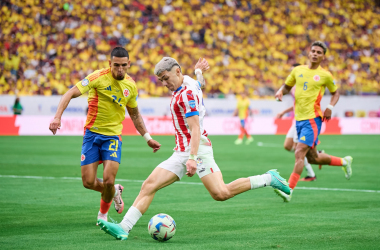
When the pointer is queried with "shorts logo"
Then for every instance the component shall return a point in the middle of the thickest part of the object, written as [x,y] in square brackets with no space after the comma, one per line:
[192,104]
[202,170]
[84,82]
[126,92]
[199,162]
[82,157]
[317,78]
[303,138]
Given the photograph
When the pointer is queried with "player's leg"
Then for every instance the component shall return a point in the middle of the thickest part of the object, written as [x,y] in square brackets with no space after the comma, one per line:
[291,139]
[249,137]
[163,175]
[324,159]
[310,172]
[239,140]
[89,179]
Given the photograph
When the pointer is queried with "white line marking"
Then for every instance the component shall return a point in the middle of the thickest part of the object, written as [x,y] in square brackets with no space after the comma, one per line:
[185,183]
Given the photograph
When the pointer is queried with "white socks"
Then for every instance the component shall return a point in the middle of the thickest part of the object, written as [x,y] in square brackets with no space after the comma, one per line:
[130,219]
[99,213]
[259,181]
[309,169]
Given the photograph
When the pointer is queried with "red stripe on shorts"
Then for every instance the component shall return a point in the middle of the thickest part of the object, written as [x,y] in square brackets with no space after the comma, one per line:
[315,131]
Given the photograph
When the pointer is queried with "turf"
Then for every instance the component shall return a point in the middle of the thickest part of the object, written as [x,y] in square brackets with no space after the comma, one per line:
[60,214]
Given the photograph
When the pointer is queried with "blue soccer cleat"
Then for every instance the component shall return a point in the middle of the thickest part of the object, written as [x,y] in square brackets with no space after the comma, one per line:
[113,229]
[277,182]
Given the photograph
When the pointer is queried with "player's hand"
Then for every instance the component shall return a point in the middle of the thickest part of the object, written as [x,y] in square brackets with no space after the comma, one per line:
[279,95]
[202,64]
[191,167]
[154,144]
[54,125]
[327,115]
[279,115]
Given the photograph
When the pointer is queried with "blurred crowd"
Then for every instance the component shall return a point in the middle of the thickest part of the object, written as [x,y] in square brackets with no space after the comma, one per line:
[46,46]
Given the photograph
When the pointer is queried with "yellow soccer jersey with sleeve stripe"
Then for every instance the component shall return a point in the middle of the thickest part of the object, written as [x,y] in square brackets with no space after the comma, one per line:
[310,87]
[107,101]
[243,107]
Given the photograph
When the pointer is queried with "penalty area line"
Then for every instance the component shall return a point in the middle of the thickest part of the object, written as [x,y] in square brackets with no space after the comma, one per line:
[182,183]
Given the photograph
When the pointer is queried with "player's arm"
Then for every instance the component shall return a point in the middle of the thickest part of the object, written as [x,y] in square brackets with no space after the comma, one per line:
[235,113]
[334,100]
[281,114]
[200,67]
[63,103]
[285,89]
[140,126]
[191,164]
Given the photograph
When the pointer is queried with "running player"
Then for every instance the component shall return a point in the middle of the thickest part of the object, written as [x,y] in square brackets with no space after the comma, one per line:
[193,151]
[243,111]
[111,90]
[310,82]
[291,138]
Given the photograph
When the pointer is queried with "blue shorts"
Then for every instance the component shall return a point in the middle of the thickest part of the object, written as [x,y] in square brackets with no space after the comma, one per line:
[97,147]
[242,122]
[308,131]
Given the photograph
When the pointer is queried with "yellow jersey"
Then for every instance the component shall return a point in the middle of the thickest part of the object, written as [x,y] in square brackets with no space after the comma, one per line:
[243,107]
[310,87]
[107,101]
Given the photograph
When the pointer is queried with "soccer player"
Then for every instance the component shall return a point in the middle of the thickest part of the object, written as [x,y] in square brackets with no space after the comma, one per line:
[243,111]
[193,150]
[111,91]
[310,82]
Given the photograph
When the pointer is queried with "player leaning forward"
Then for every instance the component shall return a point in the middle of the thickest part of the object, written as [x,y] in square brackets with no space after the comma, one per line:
[310,82]
[111,90]
[193,151]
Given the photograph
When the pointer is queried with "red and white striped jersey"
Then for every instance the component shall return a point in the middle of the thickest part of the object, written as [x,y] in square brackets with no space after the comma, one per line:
[187,101]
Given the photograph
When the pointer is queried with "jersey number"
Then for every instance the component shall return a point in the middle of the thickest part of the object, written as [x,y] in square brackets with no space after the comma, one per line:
[305,85]
[114,100]
[114,143]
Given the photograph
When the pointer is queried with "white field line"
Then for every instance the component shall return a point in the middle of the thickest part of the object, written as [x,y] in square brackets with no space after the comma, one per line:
[183,183]
[274,145]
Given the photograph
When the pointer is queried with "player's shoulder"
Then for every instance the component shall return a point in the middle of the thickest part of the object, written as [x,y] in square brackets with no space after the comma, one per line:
[300,67]
[129,79]
[190,83]
[325,72]
[98,74]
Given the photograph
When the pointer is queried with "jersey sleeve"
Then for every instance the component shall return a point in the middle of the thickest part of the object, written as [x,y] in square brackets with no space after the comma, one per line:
[89,82]
[189,103]
[132,103]
[330,83]
[291,79]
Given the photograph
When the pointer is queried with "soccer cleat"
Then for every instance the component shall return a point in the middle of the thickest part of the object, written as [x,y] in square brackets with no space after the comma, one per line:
[277,182]
[118,201]
[348,169]
[238,141]
[101,217]
[249,140]
[309,178]
[285,197]
[113,229]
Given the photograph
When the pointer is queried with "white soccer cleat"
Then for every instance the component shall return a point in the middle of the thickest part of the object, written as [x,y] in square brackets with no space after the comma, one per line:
[118,201]
[348,169]
[285,197]
[102,217]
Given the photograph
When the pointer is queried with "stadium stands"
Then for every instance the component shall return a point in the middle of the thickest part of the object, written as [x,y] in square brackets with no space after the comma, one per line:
[47,46]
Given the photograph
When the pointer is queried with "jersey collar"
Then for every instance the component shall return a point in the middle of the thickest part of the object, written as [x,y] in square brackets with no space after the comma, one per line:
[180,87]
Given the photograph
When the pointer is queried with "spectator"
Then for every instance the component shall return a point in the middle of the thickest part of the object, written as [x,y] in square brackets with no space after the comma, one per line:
[17,108]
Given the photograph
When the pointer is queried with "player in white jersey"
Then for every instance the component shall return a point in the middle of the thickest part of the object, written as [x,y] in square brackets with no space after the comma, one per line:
[193,152]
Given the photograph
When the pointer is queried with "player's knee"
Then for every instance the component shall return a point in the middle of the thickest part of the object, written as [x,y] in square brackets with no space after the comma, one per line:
[88,183]
[288,147]
[311,159]
[220,195]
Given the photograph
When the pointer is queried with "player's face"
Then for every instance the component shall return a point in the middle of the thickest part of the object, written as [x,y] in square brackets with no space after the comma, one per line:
[119,66]
[316,54]
[171,79]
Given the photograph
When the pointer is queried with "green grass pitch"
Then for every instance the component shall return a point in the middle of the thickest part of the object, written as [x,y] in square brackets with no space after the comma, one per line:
[59,213]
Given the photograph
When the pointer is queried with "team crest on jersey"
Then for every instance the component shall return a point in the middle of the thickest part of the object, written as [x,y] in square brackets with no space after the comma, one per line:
[126,92]
[192,104]
[199,162]
[82,157]
[317,78]
[84,82]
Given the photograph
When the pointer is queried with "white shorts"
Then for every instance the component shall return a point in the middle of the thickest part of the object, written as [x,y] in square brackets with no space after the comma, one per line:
[205,162]
[292,133]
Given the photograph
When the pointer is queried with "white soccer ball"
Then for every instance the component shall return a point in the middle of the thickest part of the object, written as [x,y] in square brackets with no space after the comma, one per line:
[161,227]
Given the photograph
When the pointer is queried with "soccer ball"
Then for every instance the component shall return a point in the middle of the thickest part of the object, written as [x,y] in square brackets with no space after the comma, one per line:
[161,227]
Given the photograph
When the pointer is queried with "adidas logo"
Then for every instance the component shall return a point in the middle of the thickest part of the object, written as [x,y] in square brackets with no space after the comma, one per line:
[114,154]
[302,139]
[300,75]
[108,88]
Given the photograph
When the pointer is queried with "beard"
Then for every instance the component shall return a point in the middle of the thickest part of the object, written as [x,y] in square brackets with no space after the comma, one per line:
[118,77]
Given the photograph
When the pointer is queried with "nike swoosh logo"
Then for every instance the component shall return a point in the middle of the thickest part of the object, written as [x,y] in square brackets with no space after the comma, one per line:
[280,180]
